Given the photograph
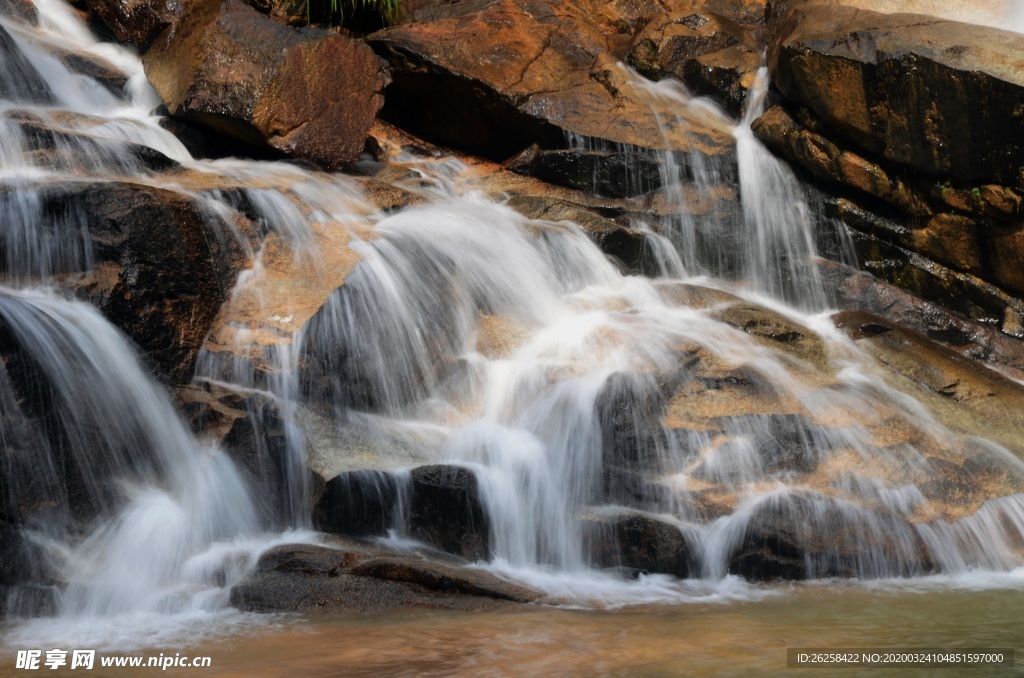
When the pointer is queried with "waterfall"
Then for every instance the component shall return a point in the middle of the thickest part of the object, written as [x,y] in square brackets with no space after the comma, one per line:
[717,398]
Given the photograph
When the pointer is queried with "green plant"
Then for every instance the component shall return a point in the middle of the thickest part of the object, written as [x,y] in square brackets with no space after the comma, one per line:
[343,12]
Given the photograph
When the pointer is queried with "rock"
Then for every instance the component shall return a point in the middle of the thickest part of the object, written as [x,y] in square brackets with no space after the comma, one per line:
[797,536]
[711,46]
[68,150]
[161,269]
[858,291]
[964,395]
[947,224]
[446,511]
[22,9]
[939,97]
[138,21]
[23,82]
[726,76]
[629,408]
[779,332]
[307,93]
[23,561]
[321,580]
[523,72]
[104,72]
[359,504]
[874,239]
[616,174]
[641,542]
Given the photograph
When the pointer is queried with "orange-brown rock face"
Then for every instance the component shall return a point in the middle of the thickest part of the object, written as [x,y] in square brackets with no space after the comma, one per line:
[307,93]
[494,78]
[943,98]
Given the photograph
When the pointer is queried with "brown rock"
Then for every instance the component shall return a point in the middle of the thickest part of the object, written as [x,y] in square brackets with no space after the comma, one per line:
[943,98]
[308,93]
[138,21]
[161,273]
[521,72]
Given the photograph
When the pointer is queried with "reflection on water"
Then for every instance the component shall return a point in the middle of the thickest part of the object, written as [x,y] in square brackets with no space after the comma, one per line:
[734,639]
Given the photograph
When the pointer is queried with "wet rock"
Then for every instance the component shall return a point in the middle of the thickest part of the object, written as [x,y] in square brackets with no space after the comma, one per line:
[807,537]
[964,395]
[321,580]
[621,173]
[523,72]
[726,76]
[161,270]
[22,9]
[138,21]
[940,97]
[359,504]
[629,409]
[711,46]
[22,561]
[70,151]
[446,511]
[94,67]
[779,332]
[857,291]
[24,83]
[641,542]
[961,292]
[307,93]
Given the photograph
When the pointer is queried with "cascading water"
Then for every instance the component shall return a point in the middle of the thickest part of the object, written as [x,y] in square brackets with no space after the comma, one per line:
[466,334]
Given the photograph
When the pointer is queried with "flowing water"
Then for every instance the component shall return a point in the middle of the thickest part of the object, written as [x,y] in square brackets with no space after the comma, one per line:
[464,334]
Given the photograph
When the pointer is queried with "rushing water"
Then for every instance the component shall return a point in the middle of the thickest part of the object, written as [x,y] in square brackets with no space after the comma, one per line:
[465,334]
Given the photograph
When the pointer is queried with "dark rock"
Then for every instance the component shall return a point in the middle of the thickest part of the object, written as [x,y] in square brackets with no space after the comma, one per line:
[307,93]
[858,291]
[726,76]
[161,270]
[940,97]
[27,601]
[23,561]
[809,537]
[68,151]
[139,21]
[629,409]
[94,67]
[21,81]
[445,510]
[321,580]
[444,578]
[641,542]
[619,173]
[359,504]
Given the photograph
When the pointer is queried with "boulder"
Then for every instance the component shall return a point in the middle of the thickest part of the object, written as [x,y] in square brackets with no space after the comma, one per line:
[527,71]
[446,511]
[138,21]
[307,93]
[641,542]
[161,269]
[858,291]
[359,504]
[357,577]
[939,97]
[711,46]
[796,536]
